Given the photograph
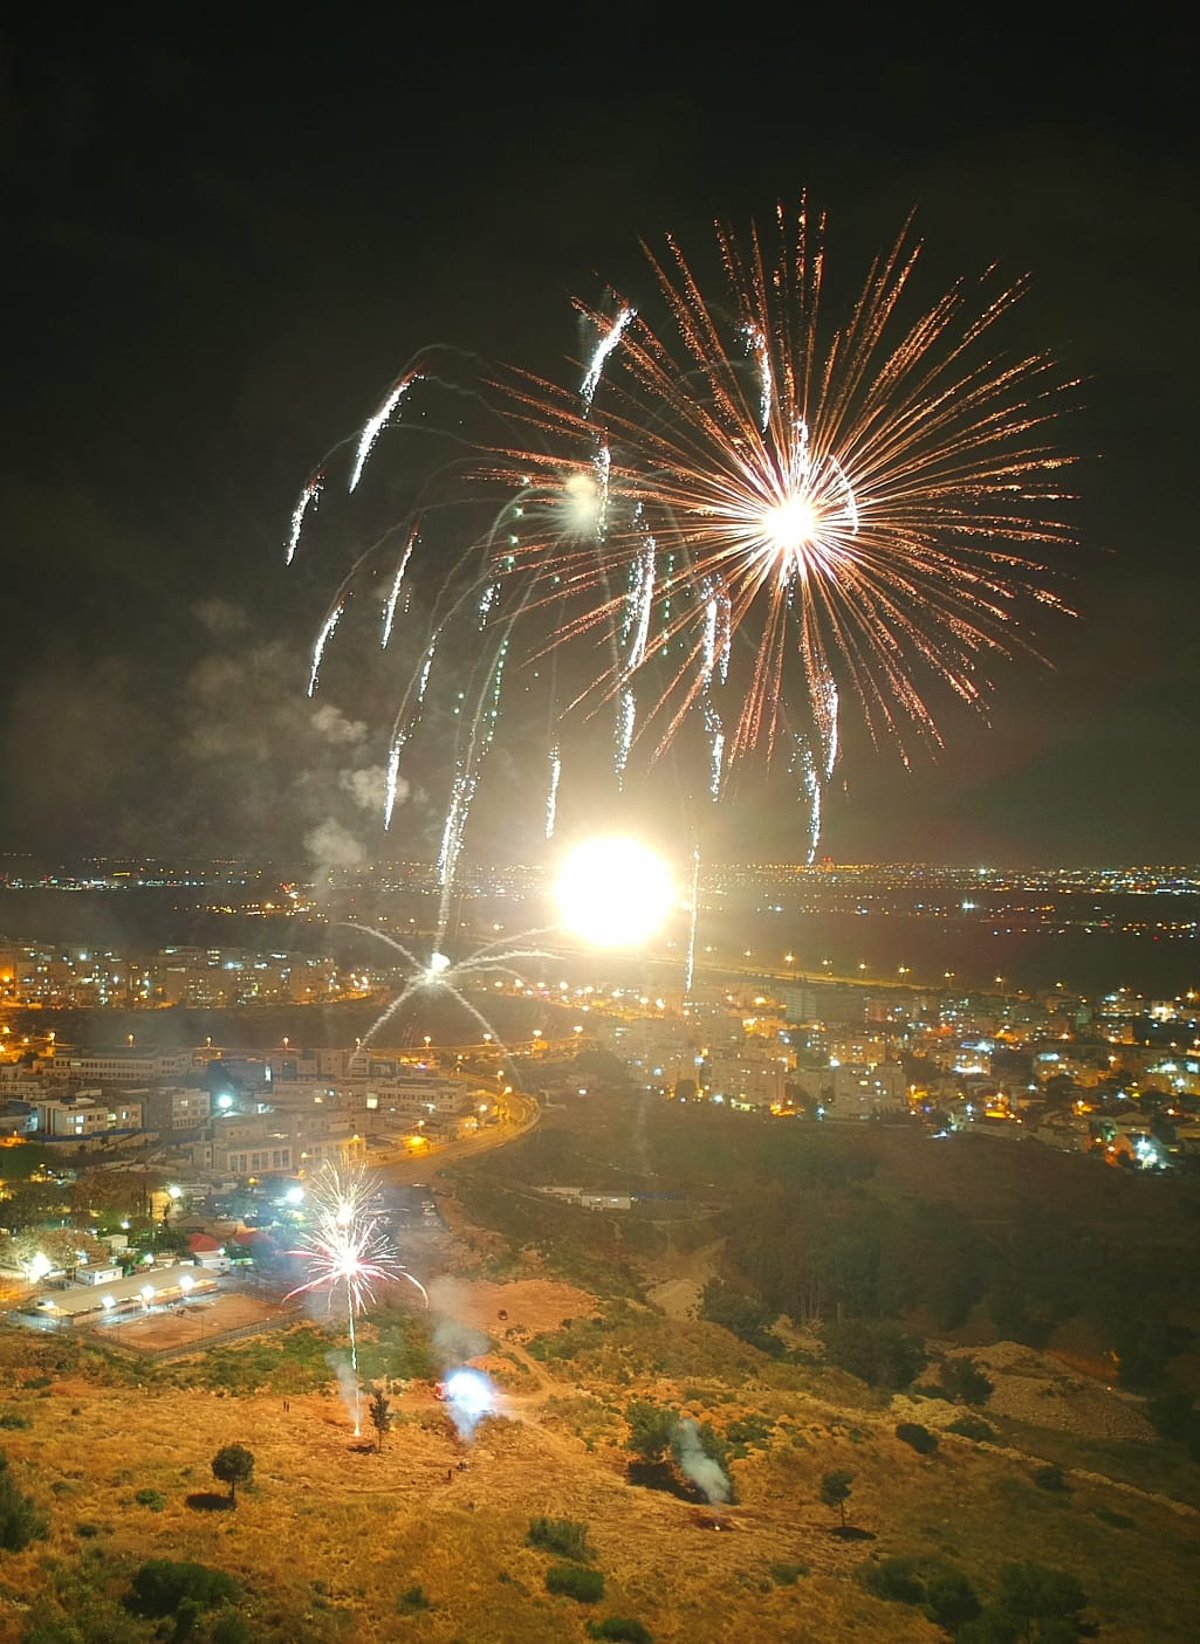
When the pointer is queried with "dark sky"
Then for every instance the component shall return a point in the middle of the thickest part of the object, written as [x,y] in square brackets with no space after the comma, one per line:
[221,243]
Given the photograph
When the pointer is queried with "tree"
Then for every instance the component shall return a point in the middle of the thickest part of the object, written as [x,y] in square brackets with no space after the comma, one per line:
[651,1429]
[963,1381]
[1045,1603]
[233,1465]
[380,1411]
[835,1491]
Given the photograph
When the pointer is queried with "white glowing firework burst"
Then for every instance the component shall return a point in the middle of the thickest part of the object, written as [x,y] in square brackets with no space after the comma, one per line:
[740,521]
[348,1249]
[453,978]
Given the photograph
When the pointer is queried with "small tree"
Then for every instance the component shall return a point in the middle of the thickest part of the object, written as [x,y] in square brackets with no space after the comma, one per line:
[380,1412]
[233,1465]
[650,1429]
[835,1491]
[21,1521]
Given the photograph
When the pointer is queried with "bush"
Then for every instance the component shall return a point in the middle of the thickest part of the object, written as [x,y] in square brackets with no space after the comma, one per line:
[787,1575]
[963,1381]
[412,1601]
[895,1579]
[13,1420]
[875,1351]
[230,1629]
[162,1585]
[1051,1478]
[568,1579]
[917,1437]
[21,1521]
[619,1627]
[563,1536]
[154,1499]
[972,1427]
[943,1591]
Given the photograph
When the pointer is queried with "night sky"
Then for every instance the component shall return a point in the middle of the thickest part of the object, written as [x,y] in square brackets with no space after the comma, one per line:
[221,245]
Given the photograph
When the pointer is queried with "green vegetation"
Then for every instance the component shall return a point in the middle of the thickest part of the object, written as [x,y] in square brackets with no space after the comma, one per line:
[162,1586]
[743,1315]
[379,1409]
[153,1499]
[917,1437]
[412,1601]
[875,1351]
[564,1536]
[233,1464]
[787,1575]
[573,1581]
[835,1490]
[21,1520]
[620,1627]
[972,1427]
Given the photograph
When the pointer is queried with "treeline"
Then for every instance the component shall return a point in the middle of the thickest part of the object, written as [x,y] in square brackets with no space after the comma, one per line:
[835,1252]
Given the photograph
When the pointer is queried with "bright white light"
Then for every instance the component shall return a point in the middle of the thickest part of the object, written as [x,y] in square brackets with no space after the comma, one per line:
[39,1266]
[438,963]
[790,525]
[294,1195]
[186,1283]
[614,892]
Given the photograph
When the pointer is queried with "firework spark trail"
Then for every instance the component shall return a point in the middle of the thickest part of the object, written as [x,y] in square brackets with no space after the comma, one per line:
[869,497]
[323,638]
[347,1246]
[375,425]
[308,499]
[552,792]
[389,609]
[759,515]
[607,343]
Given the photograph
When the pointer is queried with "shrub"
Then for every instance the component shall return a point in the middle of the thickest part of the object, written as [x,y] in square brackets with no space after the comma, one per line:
[972,1427]
[568,1579]
[787,1575]
[895,1579]
[619,1627]
[21,1521]
[154,1499]
[943,1591]
[412,1601]
[1051,1478]
[876,1351]
[963,1381]
[563,1536]
[917,1437]
[230,1629]
[12,1420]
[162,1585]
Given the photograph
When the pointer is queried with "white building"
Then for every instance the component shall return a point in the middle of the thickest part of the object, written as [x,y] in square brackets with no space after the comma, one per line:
[87,1114]
[861,1090]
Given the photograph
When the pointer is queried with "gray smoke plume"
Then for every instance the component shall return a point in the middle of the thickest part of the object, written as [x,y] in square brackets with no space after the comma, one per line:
[340,1366]
[703,1471]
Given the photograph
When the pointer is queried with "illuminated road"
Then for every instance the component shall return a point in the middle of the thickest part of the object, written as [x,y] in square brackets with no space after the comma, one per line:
[427,1162]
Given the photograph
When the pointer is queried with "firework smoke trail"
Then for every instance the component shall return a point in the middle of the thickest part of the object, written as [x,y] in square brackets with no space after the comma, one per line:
[347,1246]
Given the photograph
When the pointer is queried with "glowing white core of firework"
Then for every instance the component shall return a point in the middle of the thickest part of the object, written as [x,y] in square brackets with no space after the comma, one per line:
[791,525]
[581,501]
[614,892]
[471,1392]
[438,963]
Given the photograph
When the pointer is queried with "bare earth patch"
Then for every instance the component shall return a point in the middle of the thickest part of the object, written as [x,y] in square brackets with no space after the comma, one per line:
[534,1305]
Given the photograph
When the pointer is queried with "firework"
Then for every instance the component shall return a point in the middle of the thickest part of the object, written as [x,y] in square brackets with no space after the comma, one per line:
[347,1249]
[440,974]
[732,526]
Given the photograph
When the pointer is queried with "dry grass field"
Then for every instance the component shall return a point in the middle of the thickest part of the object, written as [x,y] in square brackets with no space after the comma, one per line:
[330,1535]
